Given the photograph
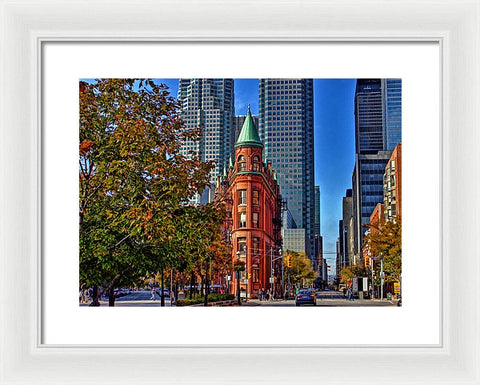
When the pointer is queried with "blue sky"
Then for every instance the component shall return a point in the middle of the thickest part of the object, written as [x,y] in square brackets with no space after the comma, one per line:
[334,126]
[334,144]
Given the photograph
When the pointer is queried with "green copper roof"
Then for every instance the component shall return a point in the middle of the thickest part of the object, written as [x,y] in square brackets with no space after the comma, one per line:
[230,162]
[248,135]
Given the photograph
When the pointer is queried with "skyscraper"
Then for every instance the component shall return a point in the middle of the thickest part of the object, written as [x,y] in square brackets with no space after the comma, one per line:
[209,104]
[378,125]
[392,99]
[369,122]
[317,211]
[318,242]
[286,129]
[367,184]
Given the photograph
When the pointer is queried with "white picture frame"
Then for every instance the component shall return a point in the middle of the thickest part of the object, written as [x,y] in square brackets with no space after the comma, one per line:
[26,25]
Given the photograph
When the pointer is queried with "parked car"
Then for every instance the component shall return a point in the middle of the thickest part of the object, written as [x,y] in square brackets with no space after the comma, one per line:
[306,296]
[166,292]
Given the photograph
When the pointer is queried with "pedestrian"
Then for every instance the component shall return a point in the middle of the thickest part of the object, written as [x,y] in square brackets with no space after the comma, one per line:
[152,297]
[267,296]
[260,294]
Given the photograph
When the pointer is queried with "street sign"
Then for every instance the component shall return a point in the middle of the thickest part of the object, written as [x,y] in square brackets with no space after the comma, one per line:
[272,279]
[396,287]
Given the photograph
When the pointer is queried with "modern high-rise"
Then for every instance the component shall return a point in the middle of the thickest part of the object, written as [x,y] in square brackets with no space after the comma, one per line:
[318,242]
[378,122]
[208,104]
[392,99]
[286,129]
[345,232]
[369,120]
[317,210]
[367,183]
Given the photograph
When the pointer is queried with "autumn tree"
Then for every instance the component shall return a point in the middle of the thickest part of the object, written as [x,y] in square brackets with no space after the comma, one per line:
[385,242]
[346,275]
[300,272]
[134,181]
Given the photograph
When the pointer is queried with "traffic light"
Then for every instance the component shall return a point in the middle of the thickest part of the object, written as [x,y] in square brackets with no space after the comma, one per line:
[289,261]
[249,275]
[366,260]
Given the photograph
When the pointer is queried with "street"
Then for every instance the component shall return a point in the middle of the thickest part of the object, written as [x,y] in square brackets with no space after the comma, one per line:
[141,298]
[324,298]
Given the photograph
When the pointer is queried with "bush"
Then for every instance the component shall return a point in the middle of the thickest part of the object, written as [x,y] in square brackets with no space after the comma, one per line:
[210,298]
[188,302]
[220,297]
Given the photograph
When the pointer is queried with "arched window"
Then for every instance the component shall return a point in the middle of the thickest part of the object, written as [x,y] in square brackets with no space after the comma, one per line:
[242,164]
[256,163]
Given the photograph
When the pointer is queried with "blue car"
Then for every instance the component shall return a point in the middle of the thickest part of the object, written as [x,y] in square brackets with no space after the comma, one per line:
[306,296]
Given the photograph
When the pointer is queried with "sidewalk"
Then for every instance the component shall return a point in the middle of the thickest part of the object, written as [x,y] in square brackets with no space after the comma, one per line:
[257,302]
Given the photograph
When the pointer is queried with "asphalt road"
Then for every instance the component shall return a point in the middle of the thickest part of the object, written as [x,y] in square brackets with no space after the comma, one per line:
[324,298]
[141,298]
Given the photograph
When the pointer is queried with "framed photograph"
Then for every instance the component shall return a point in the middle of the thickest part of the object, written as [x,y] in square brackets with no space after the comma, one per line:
[50,47]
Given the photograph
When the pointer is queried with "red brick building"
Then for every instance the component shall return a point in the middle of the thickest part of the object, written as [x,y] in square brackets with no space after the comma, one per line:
[253,199]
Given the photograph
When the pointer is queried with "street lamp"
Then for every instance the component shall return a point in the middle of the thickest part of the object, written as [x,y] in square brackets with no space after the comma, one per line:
[382,274]
[272,273]
[246,272]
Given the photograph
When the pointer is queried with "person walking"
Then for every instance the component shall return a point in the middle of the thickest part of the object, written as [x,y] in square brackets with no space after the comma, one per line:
[152,297]
[350,294]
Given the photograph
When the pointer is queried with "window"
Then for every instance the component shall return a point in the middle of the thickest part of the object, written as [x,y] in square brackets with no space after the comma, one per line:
[255,275]
[256,197]
[255,220]
[256,163]
[255,246]
[242,197]
[242,244]
[242,220]
[242,164]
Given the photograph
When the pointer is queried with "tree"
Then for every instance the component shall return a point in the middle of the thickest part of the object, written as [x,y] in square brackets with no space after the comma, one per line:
[346,275]
[133,180]
[385,242]
[300,272]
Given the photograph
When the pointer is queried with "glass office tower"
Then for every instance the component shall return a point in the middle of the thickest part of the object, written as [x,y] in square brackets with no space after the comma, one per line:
[378,129]
[209,104]
[286,129]
[392,99]
[369,131]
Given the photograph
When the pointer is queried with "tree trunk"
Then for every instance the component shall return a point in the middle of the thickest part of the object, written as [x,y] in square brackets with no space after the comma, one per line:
[191,285]
[205,300]
[95,301]
[162,298]
[111,297]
